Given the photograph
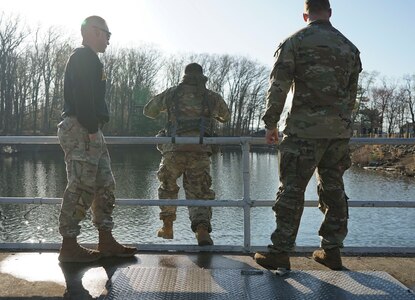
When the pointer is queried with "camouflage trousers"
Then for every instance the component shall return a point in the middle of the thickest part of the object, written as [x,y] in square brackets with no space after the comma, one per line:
[90,180]
[195,168]
[299,158]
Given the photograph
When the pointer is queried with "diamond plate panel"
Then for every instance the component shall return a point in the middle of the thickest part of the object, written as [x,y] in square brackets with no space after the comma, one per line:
[191,283]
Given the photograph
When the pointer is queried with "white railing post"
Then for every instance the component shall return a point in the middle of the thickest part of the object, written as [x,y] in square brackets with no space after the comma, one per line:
[247,195]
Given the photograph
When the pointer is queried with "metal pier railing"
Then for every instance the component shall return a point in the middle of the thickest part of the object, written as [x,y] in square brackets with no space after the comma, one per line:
[246,203]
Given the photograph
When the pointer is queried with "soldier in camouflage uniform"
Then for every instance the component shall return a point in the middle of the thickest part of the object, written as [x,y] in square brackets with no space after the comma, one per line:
[88,165]
[322,67]
[191,110]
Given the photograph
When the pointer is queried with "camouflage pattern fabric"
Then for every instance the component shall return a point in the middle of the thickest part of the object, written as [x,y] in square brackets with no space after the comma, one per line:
[299,158]
[90,180]
[322,68]
[185,105]
[190,96]
[195,168]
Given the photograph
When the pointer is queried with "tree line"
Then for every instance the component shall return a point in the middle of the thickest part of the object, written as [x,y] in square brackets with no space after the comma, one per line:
[32,64]
[385,106]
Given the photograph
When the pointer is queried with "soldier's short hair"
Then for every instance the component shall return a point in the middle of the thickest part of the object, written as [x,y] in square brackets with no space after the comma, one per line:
[92,20]
[316,6]
[193,69]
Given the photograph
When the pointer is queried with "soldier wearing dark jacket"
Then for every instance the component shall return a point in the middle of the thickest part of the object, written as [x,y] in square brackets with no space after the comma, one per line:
[322,67]
[191,110]
[84,89]
[88,165]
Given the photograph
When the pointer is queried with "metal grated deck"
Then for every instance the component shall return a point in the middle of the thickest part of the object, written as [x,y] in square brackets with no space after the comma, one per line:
[137,282]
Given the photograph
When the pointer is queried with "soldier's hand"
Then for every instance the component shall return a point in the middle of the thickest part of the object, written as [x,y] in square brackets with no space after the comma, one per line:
[271,136]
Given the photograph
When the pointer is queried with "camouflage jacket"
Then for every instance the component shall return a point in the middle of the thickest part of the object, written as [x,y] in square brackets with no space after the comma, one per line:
[191,108]
[322,68]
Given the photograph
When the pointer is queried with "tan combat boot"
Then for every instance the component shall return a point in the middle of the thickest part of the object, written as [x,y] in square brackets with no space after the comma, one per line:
[72,252]
[203,236]
[273,260]
[166,232]
[329,257]
[108,246]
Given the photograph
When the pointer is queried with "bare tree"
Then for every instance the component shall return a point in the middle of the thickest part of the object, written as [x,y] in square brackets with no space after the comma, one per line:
[111,62]
[244,75]
[409,95]
[364,88]
[394,110]
[11,37]
[173,70]
[402,110]
[256,103]
[217,70]
[382,98]
[49,55]
[131,78]
[22,91]
[61,54]
[36,79]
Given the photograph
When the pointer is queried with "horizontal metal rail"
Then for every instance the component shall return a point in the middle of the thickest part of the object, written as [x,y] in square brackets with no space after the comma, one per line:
[176,248]
[246,203]
[134,140]
[215,203]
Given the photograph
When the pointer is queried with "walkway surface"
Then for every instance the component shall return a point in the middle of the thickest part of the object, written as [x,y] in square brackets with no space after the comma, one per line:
[29,275]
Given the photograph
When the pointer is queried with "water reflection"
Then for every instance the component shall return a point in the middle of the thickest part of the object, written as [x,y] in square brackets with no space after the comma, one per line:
[28,174]
[42,174]
[82,281]
[26,266]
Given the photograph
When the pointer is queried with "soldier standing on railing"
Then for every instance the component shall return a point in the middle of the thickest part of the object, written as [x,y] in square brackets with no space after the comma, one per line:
[88,165]
[322,67]
[191,110]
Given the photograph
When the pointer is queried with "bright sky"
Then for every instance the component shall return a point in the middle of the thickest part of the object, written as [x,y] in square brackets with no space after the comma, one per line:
[383,30]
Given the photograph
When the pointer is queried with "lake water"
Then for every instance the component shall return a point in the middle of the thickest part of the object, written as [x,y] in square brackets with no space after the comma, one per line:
[42,174]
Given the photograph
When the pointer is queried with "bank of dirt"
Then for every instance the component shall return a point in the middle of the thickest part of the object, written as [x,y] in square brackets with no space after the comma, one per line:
[397,159]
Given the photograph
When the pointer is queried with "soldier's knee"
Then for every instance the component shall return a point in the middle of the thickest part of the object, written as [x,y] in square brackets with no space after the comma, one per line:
[78,187]
[76,204]
[289,204]
[70,196]
[164,174]
[288,212]
[167,194]
[207,183]
[106,194]
[291,195]
[210,194]
[334,201]
[168,183]
[332,195]
[103,204]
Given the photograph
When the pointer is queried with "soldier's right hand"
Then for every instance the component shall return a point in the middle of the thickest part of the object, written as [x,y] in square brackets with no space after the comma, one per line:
[271,136]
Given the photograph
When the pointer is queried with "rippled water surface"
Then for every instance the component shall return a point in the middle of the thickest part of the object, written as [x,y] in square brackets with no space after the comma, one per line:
[42,174]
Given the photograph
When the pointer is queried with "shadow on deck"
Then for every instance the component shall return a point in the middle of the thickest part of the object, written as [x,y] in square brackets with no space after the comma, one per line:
[29,275]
